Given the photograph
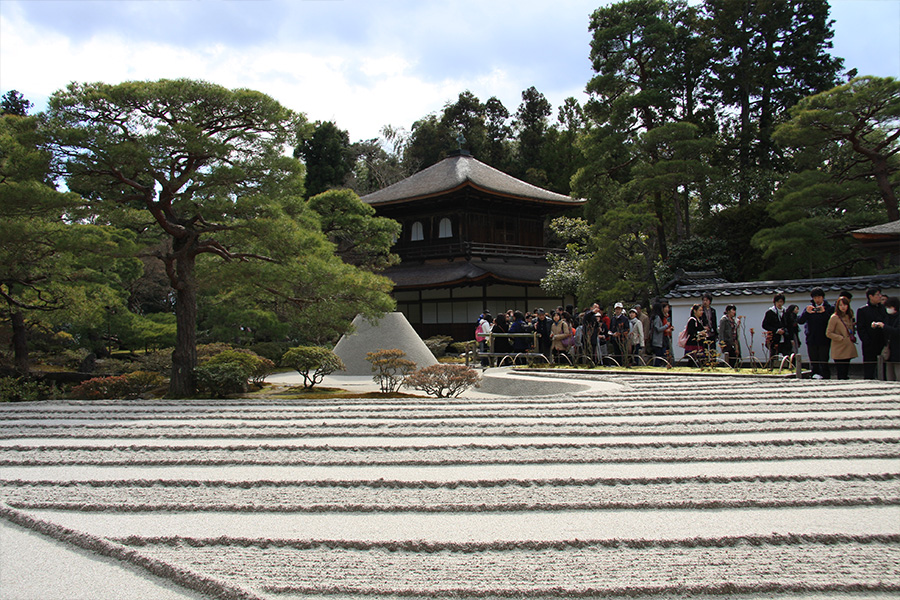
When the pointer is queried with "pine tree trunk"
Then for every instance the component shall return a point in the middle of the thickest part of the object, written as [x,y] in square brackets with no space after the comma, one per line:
[183,383]
[20,342]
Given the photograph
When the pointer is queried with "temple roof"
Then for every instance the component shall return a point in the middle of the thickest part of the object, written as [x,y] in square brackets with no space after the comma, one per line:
[465,272]
[885,230]
[456,172]
[690,288]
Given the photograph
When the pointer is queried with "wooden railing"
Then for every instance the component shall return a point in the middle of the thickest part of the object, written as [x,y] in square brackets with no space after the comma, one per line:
[449,249]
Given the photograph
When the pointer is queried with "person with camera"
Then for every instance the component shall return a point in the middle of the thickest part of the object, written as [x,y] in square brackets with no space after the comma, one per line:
[814,318]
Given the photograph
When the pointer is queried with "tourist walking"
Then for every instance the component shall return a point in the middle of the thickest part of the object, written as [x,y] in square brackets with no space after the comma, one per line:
[841,331]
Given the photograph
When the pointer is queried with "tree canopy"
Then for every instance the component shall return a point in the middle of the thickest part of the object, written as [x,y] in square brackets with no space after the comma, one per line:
[207,167]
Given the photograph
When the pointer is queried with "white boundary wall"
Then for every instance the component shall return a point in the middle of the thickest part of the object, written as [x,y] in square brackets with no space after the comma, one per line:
[753,307]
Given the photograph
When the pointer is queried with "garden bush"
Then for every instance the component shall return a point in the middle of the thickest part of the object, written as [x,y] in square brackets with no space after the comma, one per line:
[438,345]
[271,350]
[157,361]
[132,385]
[443,381]
[313,363]
[20,389]
[221,379]
[100,388]
[390,368]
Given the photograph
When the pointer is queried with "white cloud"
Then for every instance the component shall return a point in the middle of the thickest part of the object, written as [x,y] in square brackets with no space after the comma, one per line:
[358,63]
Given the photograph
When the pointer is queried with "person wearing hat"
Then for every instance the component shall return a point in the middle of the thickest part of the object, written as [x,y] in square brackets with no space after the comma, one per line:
[619,327]
[814,318]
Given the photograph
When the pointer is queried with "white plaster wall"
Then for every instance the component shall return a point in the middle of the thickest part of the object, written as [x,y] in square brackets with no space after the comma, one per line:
[752,307]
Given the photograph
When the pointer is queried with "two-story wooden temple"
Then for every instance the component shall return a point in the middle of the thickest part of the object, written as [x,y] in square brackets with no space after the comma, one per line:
[473,239]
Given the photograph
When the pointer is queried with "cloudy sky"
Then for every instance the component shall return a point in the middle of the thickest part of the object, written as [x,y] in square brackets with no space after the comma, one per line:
[360,63]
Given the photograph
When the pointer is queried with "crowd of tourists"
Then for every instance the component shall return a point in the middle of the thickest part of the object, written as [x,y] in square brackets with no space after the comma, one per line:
[634,337]
[567,334]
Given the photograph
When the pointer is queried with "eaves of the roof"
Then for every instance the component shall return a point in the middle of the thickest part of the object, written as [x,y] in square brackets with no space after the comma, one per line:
[885,230]
[785,286]
[457,273]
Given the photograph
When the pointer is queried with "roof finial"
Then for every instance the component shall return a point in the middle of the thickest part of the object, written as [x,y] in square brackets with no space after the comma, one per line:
[460,139]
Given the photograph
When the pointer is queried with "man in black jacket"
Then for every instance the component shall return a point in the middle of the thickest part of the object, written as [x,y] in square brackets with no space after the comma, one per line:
[869,322]
[542,326]
[815,319]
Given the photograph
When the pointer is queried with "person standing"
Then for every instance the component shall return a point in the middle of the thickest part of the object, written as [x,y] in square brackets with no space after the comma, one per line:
[814,318]
[542,327]
[661,339]
[892,339]
[728,335]
[560,331]
[869,322]
[646,325]
[708,318]
[841,332]
[791,328]
[635,335]
[774,324]
[696,332]
[619,327]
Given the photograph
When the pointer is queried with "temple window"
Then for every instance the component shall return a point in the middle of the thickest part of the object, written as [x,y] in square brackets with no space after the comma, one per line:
[417,234]
[445,228]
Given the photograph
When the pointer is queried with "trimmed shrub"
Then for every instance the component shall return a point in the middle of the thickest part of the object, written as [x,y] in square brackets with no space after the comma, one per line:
[264,367]
[19,389]
[158,361]
[141,382]
[390,368]
[271,350]
[313,363]
[443,381]
[221,379]
[100,388]
[132,385]
[438,345]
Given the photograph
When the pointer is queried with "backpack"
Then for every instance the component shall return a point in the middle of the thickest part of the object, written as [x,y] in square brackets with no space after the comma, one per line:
[479,333]
[683,337]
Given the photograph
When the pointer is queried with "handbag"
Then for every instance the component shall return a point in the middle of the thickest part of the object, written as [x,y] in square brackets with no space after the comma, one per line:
[886,352]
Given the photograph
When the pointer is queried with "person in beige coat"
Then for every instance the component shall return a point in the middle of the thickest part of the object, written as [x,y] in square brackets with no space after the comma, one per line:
[841,331]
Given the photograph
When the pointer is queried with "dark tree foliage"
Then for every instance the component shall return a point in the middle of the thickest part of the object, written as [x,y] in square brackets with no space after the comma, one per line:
[328,156]
[14,103]
[767,55]
[532,124]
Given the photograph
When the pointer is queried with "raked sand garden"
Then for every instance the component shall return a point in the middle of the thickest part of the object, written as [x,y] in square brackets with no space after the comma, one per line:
[613,486]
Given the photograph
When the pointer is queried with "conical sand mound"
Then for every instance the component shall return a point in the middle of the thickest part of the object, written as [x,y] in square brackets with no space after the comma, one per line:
[392,331]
